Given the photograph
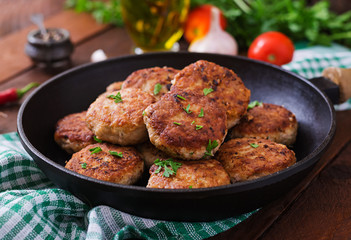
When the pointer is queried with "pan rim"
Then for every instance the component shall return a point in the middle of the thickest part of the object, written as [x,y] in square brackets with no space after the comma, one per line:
[303,163]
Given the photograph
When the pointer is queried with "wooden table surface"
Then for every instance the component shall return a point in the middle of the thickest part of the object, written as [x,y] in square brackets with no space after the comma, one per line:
[318,208]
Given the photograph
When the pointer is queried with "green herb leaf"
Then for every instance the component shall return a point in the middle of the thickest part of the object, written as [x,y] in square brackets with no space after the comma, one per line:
[170,167]
[211,145]
[198,127]
[192,122]
[144,113]
[201,114]
[157,88]
[118,154]
[178,96]
[207,91]
[187,109]
[254,104]
[190,187]
[177,123]
[116,97]
[95,150]
[97,140]
[254,145]
[84,165]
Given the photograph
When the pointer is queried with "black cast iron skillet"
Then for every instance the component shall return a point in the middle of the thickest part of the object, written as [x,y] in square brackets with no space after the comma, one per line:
[74,90]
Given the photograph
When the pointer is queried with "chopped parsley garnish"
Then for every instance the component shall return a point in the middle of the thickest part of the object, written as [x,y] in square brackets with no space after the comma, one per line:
[187,109]
[198,127]
[190,187]
[254,145]
[254,104]
[211,145]
[178,96]
[207,91]
[97,140]
[157,88]
[201,113]
[144,113]
[95,150]
[192,122]
[116,153]
[116,97]
[177,123]
[170,167]
[84,165]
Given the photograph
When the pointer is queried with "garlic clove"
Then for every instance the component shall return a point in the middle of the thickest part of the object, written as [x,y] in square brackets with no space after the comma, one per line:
[216,40]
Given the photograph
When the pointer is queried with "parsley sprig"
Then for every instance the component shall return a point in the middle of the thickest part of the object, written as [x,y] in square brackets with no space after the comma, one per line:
[201,114]
[187,109]
[95,150]
[254,104]
[170,167]
[117,97]
[114,153]
[157,88]
[254,145]
[211,145]
[207,91]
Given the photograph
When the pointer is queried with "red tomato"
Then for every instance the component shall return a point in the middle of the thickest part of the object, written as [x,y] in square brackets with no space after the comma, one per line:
[198,22]
[272,47]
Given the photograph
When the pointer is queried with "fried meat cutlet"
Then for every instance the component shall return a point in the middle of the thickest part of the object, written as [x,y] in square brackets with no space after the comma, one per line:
[155,81]
[218,83]
[184,124]
[191,174]
[267,121]
[249,158]
[72,133]
[108,162]
[117,117]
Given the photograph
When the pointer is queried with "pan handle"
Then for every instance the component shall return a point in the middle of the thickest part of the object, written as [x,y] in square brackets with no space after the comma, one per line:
[330,88]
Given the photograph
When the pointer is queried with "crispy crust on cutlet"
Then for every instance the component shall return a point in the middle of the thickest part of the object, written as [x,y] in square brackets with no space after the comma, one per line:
[122,122]
[146,79]
[72,133]
[191,174]
[176,132]
[268,121]
[107,167]
[228,89]
[114,87]
[249,158]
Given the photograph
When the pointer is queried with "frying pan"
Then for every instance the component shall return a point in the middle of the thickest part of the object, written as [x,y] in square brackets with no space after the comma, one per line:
[74,90]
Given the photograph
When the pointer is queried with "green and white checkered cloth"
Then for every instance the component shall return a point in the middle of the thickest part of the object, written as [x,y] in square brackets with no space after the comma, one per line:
[31,207]
[310,62]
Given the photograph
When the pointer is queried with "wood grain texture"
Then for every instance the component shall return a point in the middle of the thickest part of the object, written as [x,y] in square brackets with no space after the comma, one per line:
[15,14]
[13,58]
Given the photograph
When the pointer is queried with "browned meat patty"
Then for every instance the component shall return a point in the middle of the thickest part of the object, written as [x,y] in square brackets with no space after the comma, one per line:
[102,164]
[182,124]
[249,158]
[117,117]
[155,81]
[114,87]
[191,174]
[227,88]
[267,121]
[149,153]
[72,133]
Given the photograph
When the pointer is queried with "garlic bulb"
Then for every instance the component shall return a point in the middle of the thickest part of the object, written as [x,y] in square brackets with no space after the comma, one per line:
[216,40]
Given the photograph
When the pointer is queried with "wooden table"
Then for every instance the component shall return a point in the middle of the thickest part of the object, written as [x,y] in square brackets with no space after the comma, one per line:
[318,208]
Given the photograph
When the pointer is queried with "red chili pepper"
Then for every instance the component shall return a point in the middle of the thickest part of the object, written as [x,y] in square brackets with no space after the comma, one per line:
[14,94]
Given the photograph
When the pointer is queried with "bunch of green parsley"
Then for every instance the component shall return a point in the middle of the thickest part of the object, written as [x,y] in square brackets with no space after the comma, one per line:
[249,18]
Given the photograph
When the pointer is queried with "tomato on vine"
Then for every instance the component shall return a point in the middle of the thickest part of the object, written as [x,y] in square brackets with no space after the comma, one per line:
[272,47]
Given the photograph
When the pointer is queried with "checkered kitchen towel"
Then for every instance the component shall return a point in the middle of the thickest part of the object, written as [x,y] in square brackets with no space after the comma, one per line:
[31,207]
[310,62]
